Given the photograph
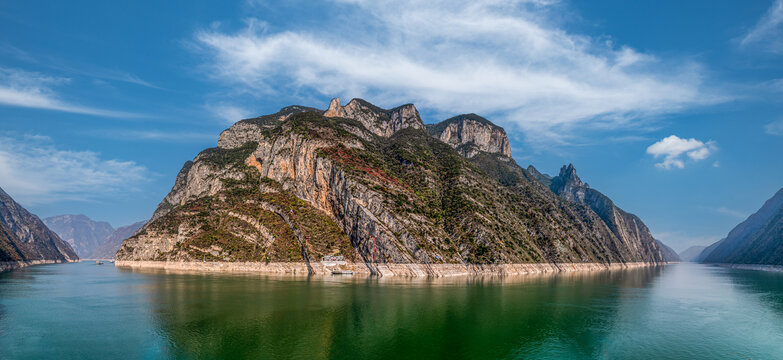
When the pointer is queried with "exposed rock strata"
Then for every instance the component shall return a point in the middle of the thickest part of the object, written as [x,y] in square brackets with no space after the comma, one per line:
[371,185]
[470,134]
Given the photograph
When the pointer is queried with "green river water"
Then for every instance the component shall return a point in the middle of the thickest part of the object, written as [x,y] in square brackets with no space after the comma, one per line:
[680,311]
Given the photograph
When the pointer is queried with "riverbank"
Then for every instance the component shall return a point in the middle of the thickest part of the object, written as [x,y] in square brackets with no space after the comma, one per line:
[402,270]
[773,268]
[12,265]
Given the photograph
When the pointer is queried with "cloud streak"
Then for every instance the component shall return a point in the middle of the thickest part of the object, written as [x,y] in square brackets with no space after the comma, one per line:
[505,59]
[767,32]
[675,151]
[774,128]
[33,90]
[36,171]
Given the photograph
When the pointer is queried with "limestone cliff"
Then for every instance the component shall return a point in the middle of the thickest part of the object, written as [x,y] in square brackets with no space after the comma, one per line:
[24,237]
[371,185]
[470,134]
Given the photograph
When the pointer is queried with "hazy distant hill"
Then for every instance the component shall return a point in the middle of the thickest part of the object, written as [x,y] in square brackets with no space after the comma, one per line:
[757,240]
[692,253]
[24,237]
[91,239]
[84,234]
[112,243]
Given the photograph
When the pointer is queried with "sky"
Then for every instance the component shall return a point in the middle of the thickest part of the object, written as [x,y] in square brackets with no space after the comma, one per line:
[673,109]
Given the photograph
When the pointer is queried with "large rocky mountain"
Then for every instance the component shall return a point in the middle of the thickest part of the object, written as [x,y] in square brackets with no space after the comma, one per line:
[692,253]
[89,238]
[24,237]
[84,234]
[757,240]
[375,185]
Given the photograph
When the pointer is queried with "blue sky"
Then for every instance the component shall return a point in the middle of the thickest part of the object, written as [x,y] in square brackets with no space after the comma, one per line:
[673,110]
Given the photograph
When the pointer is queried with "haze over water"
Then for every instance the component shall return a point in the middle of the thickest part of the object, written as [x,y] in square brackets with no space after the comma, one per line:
[84,311]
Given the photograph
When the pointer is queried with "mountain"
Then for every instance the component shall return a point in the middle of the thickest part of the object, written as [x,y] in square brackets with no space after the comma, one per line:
[757,240]
[84,234]
[374,185]
[627,228]
[692,253]
[24,238]
[668,253]
[109,246]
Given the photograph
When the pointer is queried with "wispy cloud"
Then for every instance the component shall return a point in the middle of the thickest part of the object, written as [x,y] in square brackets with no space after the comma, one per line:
[767,32]
[153,135]
[507,59]
[227,113]
[730,212]
[675,151]
[36,171]
[774,128]
[34,90]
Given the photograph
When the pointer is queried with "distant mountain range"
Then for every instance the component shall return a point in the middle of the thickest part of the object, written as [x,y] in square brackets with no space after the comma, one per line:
[24,238]
[90,239]
[377,185]
[757,240]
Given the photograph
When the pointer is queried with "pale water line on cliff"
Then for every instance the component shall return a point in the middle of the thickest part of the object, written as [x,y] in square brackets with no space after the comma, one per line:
[383,270]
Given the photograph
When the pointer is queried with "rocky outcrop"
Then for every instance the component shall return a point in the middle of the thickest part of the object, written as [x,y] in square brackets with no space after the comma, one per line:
[370,185]
[24,238]
[757,240]
[379,121]
[470,134]
[82,233]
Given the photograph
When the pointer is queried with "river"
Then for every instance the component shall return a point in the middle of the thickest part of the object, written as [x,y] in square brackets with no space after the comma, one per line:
[679,311]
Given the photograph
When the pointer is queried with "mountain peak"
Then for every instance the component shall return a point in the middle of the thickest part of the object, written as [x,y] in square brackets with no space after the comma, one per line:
[381,122]
[568,176]
[470,134]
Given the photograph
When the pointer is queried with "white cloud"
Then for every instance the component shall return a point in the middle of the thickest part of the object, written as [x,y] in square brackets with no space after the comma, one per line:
[767,31]
[229,114]
[672,149]
[774,128]
[35,171]
[33,90]
[507,59]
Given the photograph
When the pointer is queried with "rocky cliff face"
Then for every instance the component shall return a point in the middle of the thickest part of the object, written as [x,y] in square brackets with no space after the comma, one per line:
[757,240]
[470,134]
[24,237]
[626,227]
[374,186]
[668,253]
[82,233]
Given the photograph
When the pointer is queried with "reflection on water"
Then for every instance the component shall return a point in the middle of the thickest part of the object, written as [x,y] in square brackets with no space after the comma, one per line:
[678,311]
[366,318]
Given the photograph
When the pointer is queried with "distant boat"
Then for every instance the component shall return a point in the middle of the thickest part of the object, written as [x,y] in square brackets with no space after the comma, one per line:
[342,272]
[99,262]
